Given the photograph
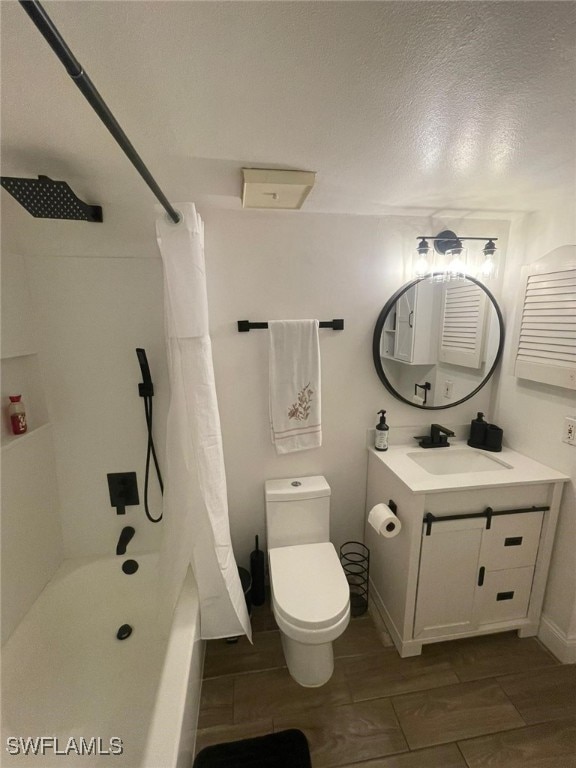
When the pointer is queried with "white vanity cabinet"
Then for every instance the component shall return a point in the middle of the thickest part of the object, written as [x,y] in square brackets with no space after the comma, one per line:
[471,575]
[473,553]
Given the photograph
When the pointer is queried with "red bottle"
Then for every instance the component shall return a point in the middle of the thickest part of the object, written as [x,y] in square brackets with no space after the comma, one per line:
[17,415]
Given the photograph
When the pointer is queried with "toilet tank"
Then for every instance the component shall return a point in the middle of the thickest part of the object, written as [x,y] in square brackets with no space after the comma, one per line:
[297,511]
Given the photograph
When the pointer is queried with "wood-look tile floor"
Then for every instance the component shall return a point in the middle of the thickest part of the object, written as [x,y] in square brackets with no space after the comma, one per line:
[489,702]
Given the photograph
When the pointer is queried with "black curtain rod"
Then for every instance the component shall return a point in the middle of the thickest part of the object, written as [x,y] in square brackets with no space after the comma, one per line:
[246,325]
[74,68]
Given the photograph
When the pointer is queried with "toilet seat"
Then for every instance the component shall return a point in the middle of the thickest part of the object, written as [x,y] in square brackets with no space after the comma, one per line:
[309,588]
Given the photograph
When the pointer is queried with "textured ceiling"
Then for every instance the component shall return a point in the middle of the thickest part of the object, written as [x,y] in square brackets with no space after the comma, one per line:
[397,105]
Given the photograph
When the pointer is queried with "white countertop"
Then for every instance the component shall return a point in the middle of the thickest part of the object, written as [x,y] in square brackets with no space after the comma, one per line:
[522,470]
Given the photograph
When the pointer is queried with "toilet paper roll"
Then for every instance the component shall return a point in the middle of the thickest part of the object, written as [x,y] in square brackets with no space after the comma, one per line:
[418,399]
[384,521]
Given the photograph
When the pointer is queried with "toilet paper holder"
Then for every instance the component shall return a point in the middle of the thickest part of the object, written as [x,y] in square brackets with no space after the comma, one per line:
[383,519]
[426,387]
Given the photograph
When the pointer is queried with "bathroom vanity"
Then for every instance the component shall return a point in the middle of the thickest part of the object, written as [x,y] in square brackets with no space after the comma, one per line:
[473,553]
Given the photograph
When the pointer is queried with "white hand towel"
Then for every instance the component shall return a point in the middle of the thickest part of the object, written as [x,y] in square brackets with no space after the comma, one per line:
[294,362]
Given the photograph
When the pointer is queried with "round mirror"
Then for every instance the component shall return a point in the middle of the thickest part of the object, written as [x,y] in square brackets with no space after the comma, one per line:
[437,342]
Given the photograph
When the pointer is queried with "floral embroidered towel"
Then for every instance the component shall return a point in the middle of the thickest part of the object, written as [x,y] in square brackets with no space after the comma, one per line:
[294,361]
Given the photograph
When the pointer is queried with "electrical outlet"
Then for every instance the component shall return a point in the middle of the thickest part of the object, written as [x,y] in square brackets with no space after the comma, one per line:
[569,430]
[448,389]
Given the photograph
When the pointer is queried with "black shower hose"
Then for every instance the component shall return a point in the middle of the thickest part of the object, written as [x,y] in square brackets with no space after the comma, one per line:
[151,451]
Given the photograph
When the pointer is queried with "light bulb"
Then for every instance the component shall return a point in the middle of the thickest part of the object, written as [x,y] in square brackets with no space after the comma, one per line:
[422,266]
[488,267]
[456,265]
[457,260]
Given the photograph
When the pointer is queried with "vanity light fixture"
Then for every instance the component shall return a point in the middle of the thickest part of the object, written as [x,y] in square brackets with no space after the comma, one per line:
[450,260]
[423,263]
[488,267]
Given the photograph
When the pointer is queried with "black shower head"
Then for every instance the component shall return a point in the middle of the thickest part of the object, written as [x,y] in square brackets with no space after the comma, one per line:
[48,199]
[146,389]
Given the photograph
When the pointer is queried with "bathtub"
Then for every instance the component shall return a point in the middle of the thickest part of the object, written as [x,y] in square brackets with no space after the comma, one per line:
[76,695]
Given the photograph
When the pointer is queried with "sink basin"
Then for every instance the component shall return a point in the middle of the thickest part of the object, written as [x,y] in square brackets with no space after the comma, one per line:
[445,461]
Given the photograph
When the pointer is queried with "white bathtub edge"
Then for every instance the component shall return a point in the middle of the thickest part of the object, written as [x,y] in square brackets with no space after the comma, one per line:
[172,736]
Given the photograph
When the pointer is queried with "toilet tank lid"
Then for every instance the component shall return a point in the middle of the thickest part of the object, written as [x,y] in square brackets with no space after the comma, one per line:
[297,488]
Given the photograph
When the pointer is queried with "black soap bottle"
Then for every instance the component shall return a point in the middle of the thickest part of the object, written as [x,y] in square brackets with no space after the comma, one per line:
[381,440]
[478,428]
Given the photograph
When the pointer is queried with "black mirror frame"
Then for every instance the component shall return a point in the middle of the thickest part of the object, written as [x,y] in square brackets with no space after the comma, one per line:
[378,334]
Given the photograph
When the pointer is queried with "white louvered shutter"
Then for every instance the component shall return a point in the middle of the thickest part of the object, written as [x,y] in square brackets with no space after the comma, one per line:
[547,340]
[463,320]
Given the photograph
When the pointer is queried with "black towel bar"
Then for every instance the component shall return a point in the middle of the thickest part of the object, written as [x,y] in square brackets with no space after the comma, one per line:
[246,325]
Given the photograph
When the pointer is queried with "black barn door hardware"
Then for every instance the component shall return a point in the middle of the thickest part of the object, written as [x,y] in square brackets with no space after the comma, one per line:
[488,513]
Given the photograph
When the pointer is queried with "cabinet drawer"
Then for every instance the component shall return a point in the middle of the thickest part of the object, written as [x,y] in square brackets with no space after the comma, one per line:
[511,541]
[504,595]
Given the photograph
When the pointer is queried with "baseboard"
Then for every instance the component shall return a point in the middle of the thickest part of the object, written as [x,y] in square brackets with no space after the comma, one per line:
[562,646]
[376,604]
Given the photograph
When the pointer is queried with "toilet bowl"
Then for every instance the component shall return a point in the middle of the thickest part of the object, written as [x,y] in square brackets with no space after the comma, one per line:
[310,593]
[311,605]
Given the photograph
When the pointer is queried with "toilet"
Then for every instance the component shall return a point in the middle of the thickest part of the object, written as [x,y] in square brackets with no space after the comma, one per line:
[310,594]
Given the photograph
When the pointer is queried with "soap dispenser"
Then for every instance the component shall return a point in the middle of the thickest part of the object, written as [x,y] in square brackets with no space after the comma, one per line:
[381,440]
[478,428]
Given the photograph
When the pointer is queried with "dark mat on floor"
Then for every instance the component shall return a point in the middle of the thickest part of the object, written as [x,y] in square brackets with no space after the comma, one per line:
[286,749]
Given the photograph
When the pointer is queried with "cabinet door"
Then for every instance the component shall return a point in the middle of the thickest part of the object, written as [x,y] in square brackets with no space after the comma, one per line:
[405,326]
[426,321]
[447,578]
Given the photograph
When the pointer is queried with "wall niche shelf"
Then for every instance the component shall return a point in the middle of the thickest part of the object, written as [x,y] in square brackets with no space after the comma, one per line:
[12,440]
[21,376]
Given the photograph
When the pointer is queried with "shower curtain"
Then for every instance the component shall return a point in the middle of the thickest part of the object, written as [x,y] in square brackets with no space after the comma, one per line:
[196,525]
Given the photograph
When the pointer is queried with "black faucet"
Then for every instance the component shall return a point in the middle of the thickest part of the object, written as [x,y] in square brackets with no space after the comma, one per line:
[438,437]
[125,537]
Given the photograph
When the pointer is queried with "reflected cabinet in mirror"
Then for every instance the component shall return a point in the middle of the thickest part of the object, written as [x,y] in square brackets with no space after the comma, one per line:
[436,343]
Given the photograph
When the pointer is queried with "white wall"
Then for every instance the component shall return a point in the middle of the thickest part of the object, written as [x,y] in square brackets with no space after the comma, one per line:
[266,266]
[93,313]
[533,416]
[31,534]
